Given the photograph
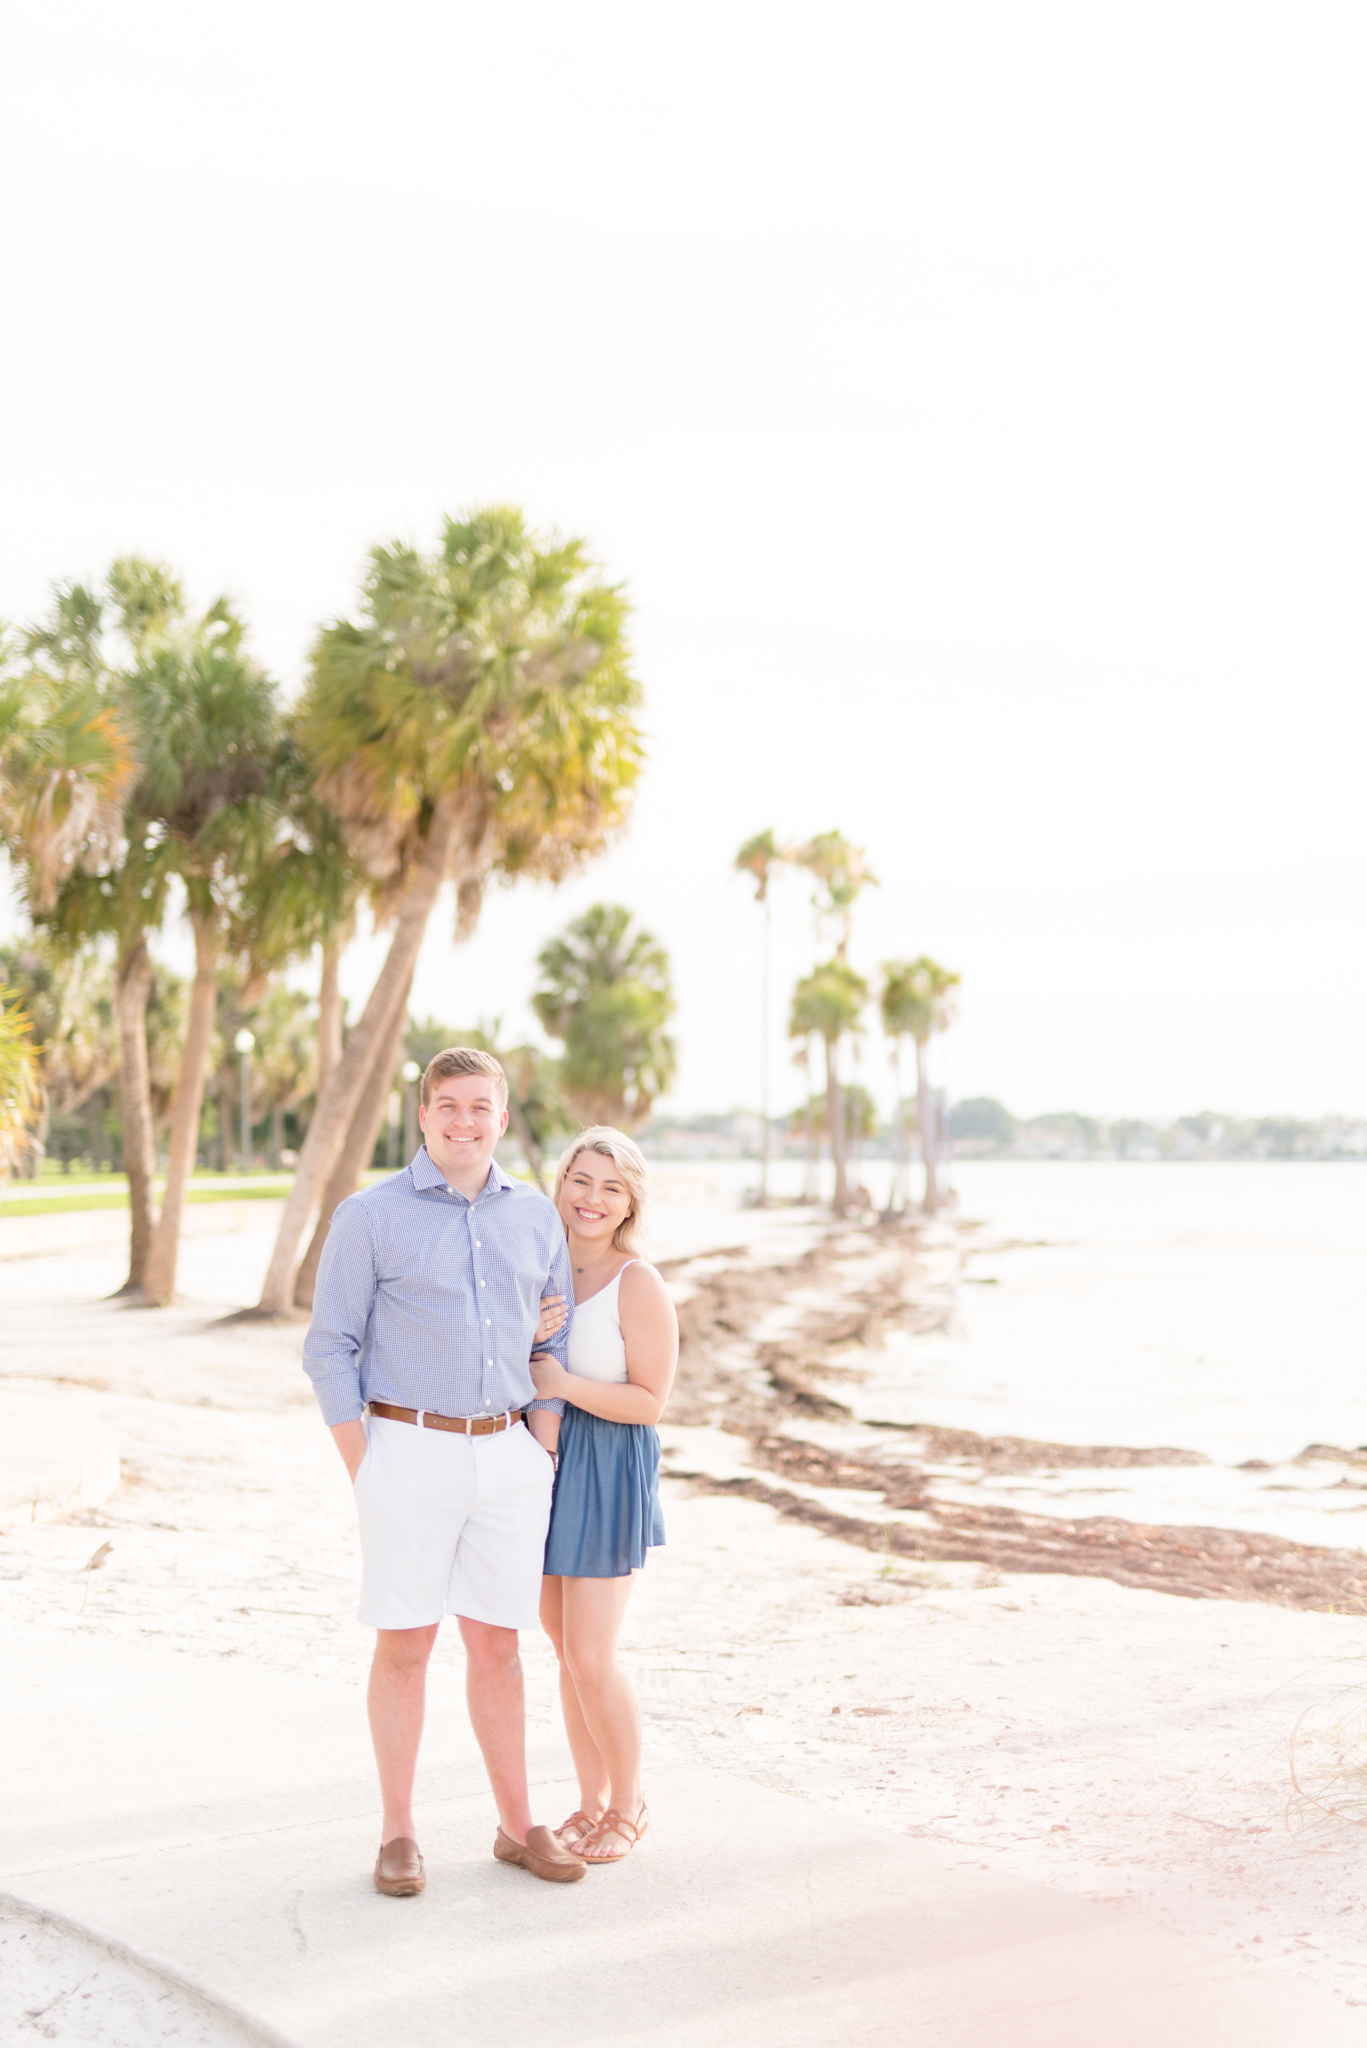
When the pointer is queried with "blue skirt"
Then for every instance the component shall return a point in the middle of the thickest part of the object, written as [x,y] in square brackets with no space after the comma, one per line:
[606,1510]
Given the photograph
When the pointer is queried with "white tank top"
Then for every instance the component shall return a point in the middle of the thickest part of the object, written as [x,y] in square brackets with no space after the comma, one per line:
[596,1348]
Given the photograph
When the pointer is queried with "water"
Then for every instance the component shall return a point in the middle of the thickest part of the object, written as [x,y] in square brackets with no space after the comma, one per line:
[1217,1308]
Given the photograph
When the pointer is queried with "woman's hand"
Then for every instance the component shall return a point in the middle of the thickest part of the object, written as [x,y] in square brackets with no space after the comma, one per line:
[549,1376]
[552,1318]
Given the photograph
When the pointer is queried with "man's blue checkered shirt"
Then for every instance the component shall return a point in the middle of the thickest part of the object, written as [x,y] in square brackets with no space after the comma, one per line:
[430,1301]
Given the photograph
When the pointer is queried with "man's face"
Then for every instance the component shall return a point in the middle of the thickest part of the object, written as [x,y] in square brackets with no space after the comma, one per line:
[462,1121]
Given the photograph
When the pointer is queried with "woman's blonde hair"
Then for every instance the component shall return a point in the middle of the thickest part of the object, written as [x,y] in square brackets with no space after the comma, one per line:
[630,1162]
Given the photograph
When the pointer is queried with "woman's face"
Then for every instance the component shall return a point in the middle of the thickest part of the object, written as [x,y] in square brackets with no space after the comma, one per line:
[594,1199]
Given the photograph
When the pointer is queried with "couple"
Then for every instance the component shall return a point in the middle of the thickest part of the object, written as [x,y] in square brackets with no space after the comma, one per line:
[468,1336]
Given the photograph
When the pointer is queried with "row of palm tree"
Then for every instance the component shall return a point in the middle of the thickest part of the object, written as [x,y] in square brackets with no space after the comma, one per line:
[916,1001]
[473,720]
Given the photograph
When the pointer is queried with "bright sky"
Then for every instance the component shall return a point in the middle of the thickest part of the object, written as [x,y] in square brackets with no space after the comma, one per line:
[971,398]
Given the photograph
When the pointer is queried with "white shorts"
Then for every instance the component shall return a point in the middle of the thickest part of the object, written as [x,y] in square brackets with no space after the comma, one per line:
[451,1525]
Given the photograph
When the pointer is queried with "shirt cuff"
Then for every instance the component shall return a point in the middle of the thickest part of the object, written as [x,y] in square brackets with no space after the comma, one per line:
[340,1398]
[555,1406]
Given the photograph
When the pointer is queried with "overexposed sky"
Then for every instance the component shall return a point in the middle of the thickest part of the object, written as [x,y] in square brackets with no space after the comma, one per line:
[971,398]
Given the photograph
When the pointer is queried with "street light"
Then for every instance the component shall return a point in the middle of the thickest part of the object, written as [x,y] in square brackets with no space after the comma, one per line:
[244,1043]
[412,1073]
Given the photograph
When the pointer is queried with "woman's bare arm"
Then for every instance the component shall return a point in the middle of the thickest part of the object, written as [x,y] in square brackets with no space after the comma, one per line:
[650,1331]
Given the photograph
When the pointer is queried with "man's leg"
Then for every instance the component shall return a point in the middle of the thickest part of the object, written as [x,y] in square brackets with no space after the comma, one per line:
[493,1691]
[398,1691]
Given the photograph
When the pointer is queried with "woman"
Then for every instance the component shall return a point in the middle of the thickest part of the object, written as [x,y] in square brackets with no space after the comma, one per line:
[623,1348]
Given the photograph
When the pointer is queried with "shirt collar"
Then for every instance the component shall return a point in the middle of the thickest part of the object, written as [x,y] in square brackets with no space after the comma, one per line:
[426,1175]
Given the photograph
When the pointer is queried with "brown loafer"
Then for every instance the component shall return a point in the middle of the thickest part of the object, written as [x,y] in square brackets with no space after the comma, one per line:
[542,1855]
[398,1869]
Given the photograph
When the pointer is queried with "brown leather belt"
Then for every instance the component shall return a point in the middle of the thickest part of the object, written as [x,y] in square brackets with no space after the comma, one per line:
[463,1425]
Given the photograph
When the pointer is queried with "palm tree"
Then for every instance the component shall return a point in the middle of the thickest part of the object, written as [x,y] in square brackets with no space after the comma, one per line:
[840,871]
[474,719]
[283,1056]
[66,755]
[917,1000]
[18,1083]
[605,992]
[208,724]
[67,993]
[284,1063]
[358,1146]
[758,858]
[307,897]
[803,1058]
[68,760]
[828,1003]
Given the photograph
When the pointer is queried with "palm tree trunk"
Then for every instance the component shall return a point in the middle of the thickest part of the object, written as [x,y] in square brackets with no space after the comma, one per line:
[854,1138]
[359,1149]
[132,989]
[897,1186]
[337,1106]
[225,1118]
[159,1280]
[925,1117]
[277,1135]
[835,1120]
[37,1144]
[329,1014]
[763,1063]
[906,1136]
[808,1132]
[530,1149]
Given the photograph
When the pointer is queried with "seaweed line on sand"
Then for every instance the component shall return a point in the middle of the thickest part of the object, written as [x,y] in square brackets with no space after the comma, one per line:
[870,1278]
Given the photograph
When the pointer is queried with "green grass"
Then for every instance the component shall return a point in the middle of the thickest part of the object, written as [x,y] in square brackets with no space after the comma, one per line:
[220,1188]
[59,1205]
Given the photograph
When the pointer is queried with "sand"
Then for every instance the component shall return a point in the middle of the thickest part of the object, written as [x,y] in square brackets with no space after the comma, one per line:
[1111,1740]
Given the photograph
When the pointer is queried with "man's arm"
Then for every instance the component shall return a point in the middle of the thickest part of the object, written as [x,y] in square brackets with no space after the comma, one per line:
[351,1440]
[342,1301]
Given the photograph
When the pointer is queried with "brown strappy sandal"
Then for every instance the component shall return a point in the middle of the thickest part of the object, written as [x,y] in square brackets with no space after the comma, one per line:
[581,1827]
[614,1823]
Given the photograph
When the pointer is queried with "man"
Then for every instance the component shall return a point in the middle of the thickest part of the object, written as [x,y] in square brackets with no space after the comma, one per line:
[427,1309]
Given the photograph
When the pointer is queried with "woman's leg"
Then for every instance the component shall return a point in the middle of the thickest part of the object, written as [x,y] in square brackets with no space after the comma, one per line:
[589,1766]
[590,1621]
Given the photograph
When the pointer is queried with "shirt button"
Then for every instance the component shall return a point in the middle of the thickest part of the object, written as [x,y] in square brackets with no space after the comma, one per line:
[487,1321]
[478,1245]
[488,1361]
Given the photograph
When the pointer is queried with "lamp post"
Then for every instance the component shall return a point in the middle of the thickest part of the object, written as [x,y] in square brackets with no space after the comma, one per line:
[244,1042]
[412,1074]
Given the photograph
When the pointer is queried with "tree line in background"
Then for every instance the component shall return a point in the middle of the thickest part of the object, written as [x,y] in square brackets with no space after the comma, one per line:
[473,720]
[985,1129]
[916,1001]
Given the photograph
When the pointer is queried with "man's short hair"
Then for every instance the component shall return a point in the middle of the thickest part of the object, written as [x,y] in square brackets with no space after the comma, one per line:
[462,1059]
